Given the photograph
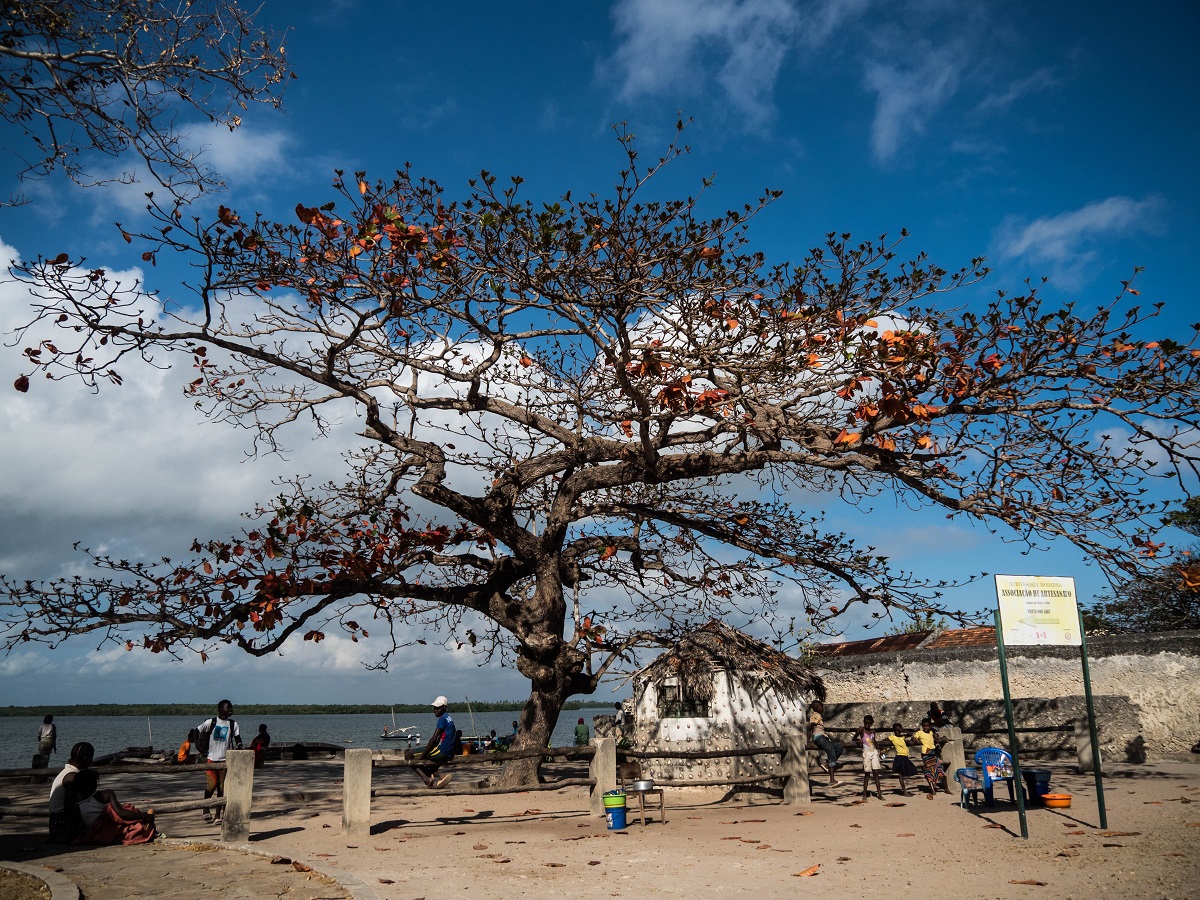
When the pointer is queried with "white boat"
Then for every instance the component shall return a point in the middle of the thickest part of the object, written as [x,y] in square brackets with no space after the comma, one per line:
[408,733]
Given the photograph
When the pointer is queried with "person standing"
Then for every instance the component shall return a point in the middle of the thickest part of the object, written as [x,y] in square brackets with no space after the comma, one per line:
[440,747]
[872,763]
[47,737]
[259,745]
[935,770]
[901,765]
[582,735]
[221,730]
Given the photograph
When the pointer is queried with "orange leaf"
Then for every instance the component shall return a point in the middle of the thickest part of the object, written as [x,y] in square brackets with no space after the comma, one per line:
[849,438]
[709,252]
[811,870]
[526,361]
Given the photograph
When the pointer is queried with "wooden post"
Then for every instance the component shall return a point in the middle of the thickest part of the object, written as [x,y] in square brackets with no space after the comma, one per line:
[1083,747]
[604,770]
[356,793]
[239,787]
[796,785]
[953,753]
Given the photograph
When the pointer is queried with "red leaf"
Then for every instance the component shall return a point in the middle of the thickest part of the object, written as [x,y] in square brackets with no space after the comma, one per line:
[22,384]
[60,260]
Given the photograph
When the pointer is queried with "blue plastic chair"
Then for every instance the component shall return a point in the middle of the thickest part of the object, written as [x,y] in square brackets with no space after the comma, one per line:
[993,762]
[970,782]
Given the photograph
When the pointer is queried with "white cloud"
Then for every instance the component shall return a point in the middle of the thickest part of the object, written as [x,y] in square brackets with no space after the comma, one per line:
[134,468]
[245,154]
[1041,80]
[680,45]
[908,98]
[1066,242]
[137,472]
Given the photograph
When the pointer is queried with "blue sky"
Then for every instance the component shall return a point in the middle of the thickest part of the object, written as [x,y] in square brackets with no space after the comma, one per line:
[1059,140]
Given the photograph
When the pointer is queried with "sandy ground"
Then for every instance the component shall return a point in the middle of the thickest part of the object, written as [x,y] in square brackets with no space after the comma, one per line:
[546,844]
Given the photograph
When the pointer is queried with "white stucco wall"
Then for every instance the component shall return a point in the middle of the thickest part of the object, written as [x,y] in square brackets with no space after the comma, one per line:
[739,717]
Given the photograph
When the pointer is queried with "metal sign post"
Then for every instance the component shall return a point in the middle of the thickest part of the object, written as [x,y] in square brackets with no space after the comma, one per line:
[1019,784]
[1092,733]
[1042,610]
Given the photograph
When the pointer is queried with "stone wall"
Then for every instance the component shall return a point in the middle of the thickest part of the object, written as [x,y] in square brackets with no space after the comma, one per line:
[1146,690]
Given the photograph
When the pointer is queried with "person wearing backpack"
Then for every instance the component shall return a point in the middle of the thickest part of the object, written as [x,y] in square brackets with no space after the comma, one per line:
[217,733]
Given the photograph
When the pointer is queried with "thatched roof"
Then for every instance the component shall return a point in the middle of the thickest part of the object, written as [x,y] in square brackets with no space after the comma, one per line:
[716,647]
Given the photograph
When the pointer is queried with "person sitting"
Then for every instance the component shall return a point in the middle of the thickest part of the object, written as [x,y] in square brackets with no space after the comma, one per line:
[439,749]
[65,824]
[108,821]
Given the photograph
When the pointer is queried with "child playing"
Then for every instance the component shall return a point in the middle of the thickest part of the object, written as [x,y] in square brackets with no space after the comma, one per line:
[935,772]
[872,765]
[901,765]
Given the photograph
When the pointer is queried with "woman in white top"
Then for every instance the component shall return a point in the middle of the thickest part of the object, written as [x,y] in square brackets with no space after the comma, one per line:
[47,737]
[64,818]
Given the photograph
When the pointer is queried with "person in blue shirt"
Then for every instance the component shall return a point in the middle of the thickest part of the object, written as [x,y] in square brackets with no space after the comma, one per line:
[439,749]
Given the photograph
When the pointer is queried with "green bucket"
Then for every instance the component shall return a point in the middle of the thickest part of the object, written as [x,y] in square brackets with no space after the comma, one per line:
[614,800]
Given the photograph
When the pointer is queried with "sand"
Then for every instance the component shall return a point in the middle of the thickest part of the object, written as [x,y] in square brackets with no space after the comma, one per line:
[546,844]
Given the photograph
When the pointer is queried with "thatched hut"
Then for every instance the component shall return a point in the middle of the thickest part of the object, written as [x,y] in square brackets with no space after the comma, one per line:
[720,689]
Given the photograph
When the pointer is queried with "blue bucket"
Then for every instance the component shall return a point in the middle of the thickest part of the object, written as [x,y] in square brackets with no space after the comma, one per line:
[616,817]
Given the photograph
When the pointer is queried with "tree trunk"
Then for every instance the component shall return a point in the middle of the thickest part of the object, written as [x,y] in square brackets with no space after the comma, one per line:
[553,681]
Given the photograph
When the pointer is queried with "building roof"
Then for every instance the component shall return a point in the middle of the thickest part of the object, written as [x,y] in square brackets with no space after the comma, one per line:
[717,647]
[917,640]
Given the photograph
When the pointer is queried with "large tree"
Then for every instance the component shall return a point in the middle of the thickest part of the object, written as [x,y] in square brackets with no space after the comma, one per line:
[82,78]
[591,421]
[1164,600]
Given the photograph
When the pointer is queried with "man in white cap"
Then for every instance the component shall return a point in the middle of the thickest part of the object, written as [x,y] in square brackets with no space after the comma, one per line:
[440,747]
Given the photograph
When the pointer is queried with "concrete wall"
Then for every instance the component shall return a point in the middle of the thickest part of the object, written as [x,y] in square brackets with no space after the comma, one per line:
[1146,687]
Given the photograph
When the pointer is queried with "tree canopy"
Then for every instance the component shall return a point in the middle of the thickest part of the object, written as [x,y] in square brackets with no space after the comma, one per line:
[99,77]
[587,423]
[1167,599]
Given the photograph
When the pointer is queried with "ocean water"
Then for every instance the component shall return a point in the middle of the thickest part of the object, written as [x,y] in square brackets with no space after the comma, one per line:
[18,734]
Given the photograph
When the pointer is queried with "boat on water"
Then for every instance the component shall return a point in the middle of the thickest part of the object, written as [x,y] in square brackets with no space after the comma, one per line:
[407,733]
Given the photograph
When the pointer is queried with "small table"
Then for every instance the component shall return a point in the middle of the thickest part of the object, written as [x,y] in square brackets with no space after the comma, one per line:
[641,798]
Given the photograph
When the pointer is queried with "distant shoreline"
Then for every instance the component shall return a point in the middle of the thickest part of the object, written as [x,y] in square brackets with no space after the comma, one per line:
[268,709]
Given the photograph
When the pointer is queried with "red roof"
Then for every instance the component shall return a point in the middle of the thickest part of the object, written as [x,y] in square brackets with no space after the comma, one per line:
[919,640]
[962,637]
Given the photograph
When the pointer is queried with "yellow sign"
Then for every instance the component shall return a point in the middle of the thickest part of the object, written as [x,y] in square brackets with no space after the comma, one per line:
[1038,609]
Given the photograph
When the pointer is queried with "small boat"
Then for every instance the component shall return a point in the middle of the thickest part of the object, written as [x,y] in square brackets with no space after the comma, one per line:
[408,733]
